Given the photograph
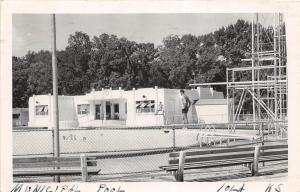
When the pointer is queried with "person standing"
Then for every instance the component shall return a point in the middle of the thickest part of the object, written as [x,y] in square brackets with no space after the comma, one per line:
[185,105]
[160,111]
[160,108]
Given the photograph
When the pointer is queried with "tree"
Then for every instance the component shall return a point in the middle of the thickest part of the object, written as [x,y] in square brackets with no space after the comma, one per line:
[110,61]
[120,62]
[19,83]
[40,73]
[75,63]
[177,58]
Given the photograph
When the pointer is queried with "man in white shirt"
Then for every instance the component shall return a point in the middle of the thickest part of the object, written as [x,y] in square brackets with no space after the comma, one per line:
[185,105]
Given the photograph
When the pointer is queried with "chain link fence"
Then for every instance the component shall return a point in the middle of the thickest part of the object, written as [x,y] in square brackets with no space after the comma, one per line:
[140,150]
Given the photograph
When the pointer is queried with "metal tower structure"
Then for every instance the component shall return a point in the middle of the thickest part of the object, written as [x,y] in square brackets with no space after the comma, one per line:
[263,82]
[261,85]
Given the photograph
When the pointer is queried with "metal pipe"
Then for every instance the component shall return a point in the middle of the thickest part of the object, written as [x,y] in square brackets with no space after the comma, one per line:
[238,83]
[279,64]
[227,96]
[253,75]
[275,72]
[55,96]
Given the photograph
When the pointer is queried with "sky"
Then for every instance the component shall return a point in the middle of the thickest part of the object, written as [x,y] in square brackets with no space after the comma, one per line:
[32,32]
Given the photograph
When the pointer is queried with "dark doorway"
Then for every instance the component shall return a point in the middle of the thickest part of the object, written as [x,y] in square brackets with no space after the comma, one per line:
[98,111]
[116,110]
[108,110]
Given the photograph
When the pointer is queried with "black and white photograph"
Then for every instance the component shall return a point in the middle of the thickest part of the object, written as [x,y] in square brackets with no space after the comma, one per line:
[113,96]
[149,97]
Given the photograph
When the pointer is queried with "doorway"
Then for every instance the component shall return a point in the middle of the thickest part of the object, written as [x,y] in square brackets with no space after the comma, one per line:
[116,111]
[108,110]
[98,111]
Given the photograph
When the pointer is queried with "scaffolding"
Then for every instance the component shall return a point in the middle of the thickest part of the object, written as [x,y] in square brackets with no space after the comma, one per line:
[264,83]
[261,85]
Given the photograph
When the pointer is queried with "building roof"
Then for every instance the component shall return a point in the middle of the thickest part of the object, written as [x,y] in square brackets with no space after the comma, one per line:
[211,102]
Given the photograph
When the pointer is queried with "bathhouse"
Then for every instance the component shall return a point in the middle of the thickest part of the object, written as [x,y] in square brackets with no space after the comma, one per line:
[136,107]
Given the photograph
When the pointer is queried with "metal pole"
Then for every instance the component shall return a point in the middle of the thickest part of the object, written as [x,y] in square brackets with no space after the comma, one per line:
[257,64]
[252,51]
[83,162]
[255,160]
[279,64]
[174,138]
[233,101]
[55,97]
[275,72]
[227,92]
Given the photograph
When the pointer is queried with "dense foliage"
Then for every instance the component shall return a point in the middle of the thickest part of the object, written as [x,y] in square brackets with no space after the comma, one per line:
[110,61]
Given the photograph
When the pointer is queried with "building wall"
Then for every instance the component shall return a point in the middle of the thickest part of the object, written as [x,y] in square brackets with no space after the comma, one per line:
[212,113]
[170,98]
[102,97]
[149,118]
[173,111]
[66,111]
[35,120]
[82,118]
[172,106]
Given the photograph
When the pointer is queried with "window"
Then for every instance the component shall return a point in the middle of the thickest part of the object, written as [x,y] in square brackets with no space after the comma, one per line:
[125,107]
[83,109]
[41,110]
[147,106]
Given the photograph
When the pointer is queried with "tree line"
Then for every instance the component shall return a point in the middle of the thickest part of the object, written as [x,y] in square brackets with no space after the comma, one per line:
[110,61]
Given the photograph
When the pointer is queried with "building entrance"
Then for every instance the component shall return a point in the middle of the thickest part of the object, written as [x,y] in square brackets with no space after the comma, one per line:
[108,110]
[116,111]
[98,111]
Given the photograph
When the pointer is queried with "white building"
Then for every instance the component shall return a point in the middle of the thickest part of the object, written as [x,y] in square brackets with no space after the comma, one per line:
[137,107]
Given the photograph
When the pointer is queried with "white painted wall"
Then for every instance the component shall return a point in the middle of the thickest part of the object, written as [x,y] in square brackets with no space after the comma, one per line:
[83,119]
[173,111]
[67,117]
[172,106]
[212,113]
[170,98]
[144,119]
[39,121]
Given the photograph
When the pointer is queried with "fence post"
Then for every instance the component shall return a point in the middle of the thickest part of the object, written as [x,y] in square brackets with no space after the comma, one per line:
[52,134]
[206,140]
[174,141]
[201,137]
[56,178]
[214,140]
[180,171]
[255,160]
[262,137]
[262,133]
[84,174]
